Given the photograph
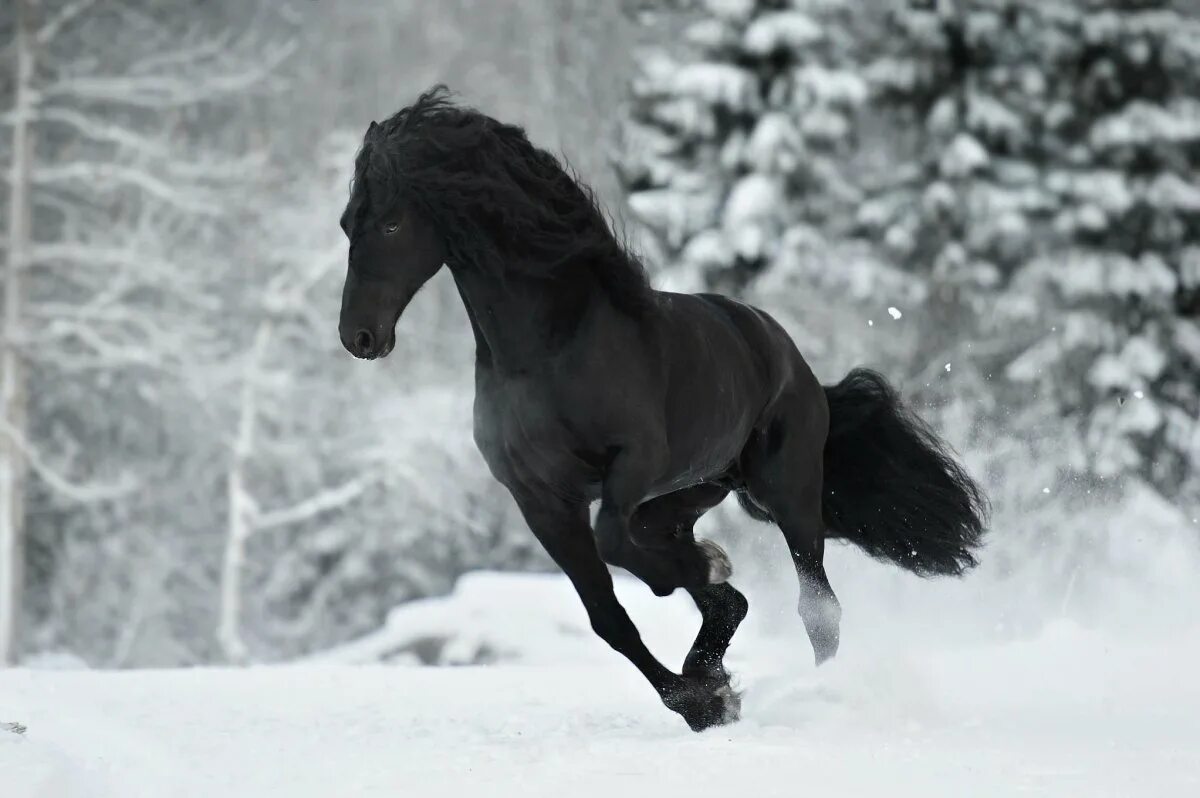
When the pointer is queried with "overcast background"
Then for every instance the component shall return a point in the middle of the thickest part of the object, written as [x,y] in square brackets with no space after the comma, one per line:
[993,202]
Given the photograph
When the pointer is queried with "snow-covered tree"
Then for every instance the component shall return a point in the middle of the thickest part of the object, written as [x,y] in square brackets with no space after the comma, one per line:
[197,470]
[1122,272]
[349,487]
[12,367]
[116,192]
[732,157]
[1051,200]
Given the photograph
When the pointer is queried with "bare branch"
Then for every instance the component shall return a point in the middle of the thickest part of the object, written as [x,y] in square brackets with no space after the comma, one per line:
[140,328]
[103,130]
[322,502]
[109,353]
[123,269]
[63,18]
[117,174]
[64,486]
[162,90]
[423,488]
[183,54]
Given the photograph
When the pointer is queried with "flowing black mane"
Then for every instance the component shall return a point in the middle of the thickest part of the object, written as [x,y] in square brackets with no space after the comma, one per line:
[499,201]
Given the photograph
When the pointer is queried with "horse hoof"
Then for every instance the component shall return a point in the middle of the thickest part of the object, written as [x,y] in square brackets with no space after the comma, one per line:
[706,702]
[719,566]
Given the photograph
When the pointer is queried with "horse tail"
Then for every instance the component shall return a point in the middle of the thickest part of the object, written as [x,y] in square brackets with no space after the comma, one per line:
[891,486]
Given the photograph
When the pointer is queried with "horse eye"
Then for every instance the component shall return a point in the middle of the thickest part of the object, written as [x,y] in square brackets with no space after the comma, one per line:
[390,228]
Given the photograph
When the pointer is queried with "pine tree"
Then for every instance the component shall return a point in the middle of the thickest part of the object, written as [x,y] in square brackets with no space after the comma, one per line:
[1123,272]
[732,154]
[1052,202]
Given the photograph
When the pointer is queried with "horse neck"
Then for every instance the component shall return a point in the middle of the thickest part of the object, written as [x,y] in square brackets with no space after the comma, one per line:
[519,320]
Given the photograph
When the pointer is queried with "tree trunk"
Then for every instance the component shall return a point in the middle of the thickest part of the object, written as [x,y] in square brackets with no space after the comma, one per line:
[240,504]
[12,393]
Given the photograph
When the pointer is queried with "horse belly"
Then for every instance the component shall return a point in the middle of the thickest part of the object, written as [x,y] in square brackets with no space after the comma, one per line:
[706,432]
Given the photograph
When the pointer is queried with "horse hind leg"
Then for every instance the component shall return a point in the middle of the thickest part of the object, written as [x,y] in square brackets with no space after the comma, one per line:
[782,470]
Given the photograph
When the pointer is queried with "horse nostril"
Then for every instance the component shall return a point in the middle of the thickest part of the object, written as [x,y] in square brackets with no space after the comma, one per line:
[363,341]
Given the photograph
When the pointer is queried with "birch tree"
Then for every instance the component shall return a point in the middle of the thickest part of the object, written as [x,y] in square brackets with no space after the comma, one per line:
[110,217]
[12,398]
[323,477]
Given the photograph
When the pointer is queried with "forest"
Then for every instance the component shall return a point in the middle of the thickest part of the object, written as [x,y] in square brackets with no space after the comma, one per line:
[994,202]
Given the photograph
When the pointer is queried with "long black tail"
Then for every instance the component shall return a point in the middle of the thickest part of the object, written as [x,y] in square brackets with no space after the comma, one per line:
[891,487]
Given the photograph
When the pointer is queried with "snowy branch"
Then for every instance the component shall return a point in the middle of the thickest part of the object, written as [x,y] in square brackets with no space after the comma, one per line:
[125,268]
[422,489]
[116,174]
[65,486]
[103,130]
[64,17]
[323,502]
[103,350]
[161,90]
[209,49]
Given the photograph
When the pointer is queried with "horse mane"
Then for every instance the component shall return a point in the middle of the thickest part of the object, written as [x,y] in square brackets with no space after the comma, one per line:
[499,201]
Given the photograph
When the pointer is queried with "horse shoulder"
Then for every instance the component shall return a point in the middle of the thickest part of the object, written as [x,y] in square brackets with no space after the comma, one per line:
[522,432]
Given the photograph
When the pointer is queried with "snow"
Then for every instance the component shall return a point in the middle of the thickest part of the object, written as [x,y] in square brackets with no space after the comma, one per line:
[1083,274]
[754,199]
[964,156]
[832,86]
[1171,192]
[717,84]
[774,146]
[910,707]
[711,34]
[780,30]
[730,9]
[1143,123]
[991,116]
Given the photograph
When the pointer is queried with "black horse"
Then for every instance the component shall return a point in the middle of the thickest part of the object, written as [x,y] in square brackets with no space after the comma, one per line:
[591,385]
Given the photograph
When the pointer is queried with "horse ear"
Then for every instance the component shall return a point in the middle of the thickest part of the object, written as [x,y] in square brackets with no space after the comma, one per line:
[371,127]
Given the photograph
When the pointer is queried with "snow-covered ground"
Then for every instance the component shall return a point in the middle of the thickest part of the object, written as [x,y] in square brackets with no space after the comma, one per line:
[1069,710]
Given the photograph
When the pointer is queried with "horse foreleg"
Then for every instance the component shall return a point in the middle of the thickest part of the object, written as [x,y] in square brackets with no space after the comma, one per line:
[563,529]
[662,540]
[627,481]
[658,546]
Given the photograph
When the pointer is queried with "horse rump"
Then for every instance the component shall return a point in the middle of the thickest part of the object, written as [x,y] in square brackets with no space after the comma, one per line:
[892,487]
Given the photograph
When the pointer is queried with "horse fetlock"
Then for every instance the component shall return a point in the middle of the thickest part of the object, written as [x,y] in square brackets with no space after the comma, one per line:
[705,702]
[706,665]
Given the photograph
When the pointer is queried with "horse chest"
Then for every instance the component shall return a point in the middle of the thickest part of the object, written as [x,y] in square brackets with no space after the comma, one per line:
[526,443]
